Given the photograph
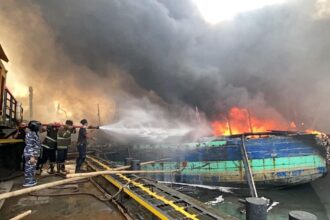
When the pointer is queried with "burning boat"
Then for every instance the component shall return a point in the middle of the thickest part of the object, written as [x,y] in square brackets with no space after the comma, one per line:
[276,158]
[273,158]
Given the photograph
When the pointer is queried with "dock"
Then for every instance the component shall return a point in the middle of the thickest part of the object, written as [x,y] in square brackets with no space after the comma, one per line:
[115,196]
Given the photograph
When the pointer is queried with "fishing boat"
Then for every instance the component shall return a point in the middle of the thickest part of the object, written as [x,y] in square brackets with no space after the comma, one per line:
[276,158]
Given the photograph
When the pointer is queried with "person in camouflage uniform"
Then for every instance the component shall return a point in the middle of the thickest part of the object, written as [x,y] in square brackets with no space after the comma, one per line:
[31,153]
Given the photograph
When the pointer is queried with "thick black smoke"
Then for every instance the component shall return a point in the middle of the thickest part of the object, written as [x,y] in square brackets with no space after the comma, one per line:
[274,60]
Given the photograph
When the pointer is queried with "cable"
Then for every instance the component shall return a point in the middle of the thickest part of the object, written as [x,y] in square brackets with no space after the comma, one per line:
[75,192]
[107,197]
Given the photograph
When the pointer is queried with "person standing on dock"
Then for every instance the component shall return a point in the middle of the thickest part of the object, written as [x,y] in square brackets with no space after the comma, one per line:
[20,135]
[63,143]
[48,149]
[82,144]
[31,153]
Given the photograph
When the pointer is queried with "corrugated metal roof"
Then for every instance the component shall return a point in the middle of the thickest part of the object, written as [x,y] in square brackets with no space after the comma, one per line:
[3,55]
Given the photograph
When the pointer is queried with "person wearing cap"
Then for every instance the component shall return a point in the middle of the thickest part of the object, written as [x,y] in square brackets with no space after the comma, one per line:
[31,152]
[82,144]
[48,148]
[63,143]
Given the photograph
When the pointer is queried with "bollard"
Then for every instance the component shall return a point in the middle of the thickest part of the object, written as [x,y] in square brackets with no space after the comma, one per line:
[256,209]
[301,215]
[128,161]
[135,165]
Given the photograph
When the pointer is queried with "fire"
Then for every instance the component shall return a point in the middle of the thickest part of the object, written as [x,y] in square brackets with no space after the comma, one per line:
[311,131]
[239,120]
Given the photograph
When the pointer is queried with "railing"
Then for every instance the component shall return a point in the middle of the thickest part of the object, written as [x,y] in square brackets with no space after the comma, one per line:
[11,112]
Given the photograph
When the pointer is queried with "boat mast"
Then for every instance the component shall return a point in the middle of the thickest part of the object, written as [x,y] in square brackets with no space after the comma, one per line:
[229,125]
[249,120]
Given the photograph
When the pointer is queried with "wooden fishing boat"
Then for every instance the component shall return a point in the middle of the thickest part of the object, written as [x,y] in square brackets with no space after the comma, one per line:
[277,159]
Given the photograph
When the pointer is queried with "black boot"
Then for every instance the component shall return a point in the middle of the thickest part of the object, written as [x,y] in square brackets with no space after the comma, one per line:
[58,168]
[77,169]
[39,171]
[51,168]
[63,168]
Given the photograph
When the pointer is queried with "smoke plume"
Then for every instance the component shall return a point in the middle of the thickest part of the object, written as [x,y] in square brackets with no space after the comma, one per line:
[273,61]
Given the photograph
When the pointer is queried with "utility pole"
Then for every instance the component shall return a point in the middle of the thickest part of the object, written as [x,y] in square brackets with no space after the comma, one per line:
[98,114]
[31,102]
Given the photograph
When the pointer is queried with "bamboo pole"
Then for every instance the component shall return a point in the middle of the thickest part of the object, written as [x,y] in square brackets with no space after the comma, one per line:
[61,182]
[36,188]
[105,172]
[22,215]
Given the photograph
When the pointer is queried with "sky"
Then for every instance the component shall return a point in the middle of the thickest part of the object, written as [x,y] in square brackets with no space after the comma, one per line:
[215,11]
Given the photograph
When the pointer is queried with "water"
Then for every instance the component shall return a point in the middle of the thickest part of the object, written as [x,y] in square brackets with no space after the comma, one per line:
[147,132]
[142,119]
[313,198]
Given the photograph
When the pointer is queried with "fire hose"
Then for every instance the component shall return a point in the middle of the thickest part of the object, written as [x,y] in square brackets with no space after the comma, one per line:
[76,191]
[57,125]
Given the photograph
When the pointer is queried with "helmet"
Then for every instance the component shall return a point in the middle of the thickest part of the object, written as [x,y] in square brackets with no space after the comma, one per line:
[69,122]
[34,126]
[83,122]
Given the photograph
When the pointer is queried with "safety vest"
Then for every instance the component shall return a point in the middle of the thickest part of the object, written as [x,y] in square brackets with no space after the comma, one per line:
[63,139]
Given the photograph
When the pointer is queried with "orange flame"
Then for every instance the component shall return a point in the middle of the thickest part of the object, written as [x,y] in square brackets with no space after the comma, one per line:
[239,121]
[311,131]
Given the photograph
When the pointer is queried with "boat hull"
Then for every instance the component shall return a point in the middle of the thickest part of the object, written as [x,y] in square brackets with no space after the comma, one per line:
[277,161]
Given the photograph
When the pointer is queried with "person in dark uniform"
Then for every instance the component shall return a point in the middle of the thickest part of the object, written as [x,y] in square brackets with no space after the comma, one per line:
[31,153]
[20,135]
[63,143]
[82,144]
[48,149]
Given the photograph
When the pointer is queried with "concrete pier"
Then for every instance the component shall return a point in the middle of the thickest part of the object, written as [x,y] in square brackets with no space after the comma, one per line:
[256,209]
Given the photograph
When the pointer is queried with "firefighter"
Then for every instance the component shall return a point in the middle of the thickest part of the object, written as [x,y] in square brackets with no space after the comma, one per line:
[31,153]
[63,142]
[48,150]
[82,144]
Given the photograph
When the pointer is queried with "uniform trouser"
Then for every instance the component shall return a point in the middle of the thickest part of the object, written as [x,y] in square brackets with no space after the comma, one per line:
[19,156]
[62,154]
[82,155]
[46,154]
[29,172]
